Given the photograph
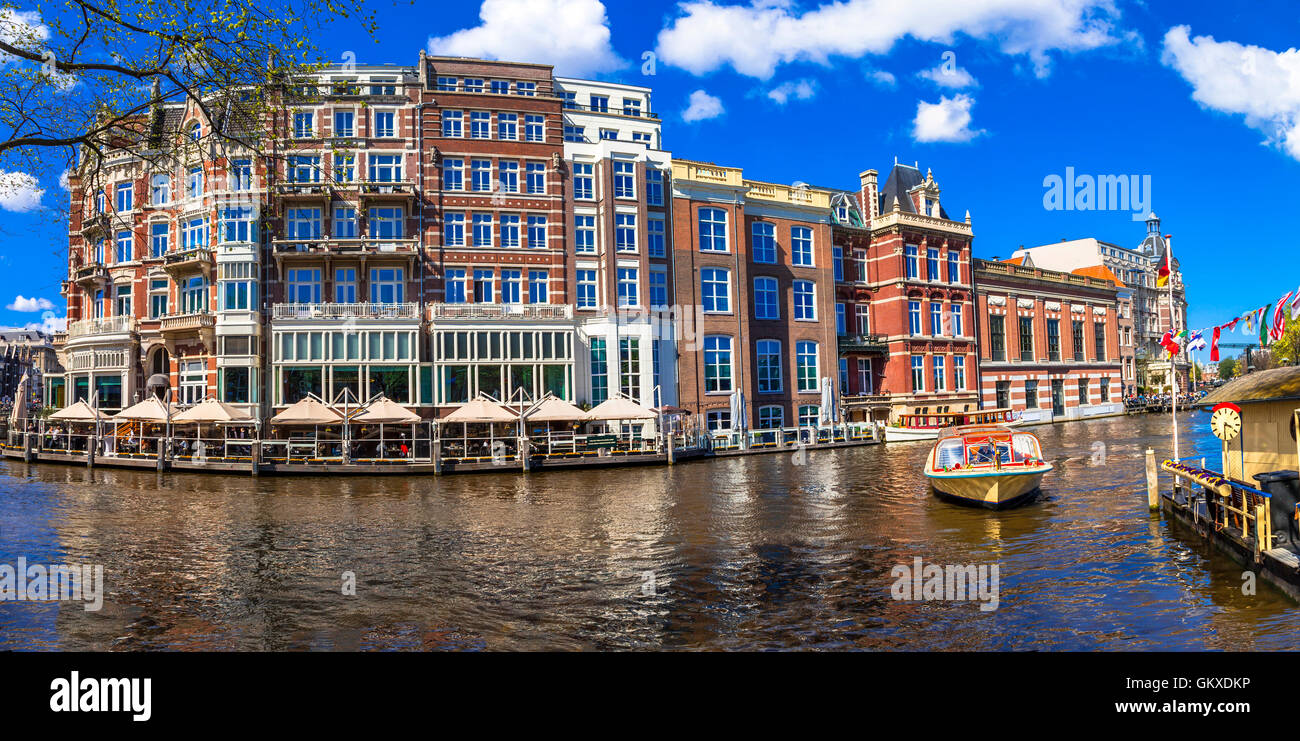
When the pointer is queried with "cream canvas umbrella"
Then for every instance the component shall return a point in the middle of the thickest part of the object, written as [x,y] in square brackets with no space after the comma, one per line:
[19,413]
[149,410]
[481,411]
[385,411]
[619,408]
[213,412]
[552,409]
[78,412]
[307,411]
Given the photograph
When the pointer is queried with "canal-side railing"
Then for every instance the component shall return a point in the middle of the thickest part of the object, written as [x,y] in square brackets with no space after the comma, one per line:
[1231,504]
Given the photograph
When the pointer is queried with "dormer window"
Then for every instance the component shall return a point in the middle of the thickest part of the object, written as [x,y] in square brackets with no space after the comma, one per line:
[196,132]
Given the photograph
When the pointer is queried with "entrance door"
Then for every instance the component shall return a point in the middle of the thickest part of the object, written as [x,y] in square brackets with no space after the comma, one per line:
[1058,398]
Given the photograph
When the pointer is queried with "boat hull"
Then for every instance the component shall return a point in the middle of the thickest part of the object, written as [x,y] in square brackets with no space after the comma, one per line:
[908,434]
[992,489]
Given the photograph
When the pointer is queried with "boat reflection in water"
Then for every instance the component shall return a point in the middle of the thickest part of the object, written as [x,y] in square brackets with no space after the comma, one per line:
[988,465]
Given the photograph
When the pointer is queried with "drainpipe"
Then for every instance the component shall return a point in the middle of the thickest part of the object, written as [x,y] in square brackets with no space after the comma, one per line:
[975,305]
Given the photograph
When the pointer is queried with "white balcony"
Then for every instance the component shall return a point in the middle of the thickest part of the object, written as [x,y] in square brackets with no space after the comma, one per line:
[335,311]
[501,311]
[101,326]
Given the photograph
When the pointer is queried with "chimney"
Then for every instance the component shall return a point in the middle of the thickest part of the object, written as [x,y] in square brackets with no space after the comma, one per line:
[869,194]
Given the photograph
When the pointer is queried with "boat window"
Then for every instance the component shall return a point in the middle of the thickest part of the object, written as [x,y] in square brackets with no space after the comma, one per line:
[948,454]
[1026,447]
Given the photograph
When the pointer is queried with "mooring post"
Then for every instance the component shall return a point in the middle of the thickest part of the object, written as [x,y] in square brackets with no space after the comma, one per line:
[27,447]
[255,452]
[668,438]
[1153,481]
[162,455]
[93,442]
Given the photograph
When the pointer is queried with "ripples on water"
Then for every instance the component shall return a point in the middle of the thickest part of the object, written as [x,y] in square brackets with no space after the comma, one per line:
[742,553]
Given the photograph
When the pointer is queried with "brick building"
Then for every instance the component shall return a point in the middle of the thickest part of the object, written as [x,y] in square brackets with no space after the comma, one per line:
[1049,340]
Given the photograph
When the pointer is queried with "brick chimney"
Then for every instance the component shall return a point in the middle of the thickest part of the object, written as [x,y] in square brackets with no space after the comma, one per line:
[869,195]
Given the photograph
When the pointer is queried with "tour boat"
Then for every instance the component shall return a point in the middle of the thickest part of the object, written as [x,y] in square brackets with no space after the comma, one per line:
[928,426]
[988,465]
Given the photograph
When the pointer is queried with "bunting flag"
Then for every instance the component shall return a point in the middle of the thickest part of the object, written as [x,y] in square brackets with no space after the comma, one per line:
[1232,325]
[1162,277]
[1214,345]
[1170,342]
[1263,325]
[1197,341]
[1250,323]
[1279,319]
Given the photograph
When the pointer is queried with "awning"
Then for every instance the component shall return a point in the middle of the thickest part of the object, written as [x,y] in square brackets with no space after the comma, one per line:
[212,411]
[79,412]
[619,408]
[386,411]
[481,411]
[149,410]
[552,409]
[307,411]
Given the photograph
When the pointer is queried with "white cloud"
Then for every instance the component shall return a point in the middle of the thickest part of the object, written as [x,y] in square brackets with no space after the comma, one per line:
[755,39]
[23,29]
[945,121]
[19,191]
[49,323]
[949,75]
[880,78]
[797,89]
[30,304]
[701,107]
[573,35]
[63,179]
[1225,76]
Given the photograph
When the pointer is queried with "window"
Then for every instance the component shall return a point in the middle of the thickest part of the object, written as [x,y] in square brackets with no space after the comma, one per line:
[473,85]
[940,377]
[157,298]
[837,263]
[1002,392]
[910,261]
[627,287]
[534,128]
[344,123]
[624,179]
[959,373]
[631,107]
[769,366]
[345,285]
[160,189]
[453,174]
[763,237]
[997,338]
[483,289]
[383,86]
[303,223]
[453,124]
[194,295]
[508,176]
[537,232]
[1099,340]
[122,251]
[717,364]
[526,89]
[656,239]
[584,234]
[771,418]
[194,234]
[932,263]
[918,373]
[385,168]
[511,286]
[536,173]
[954,269]
[237,290]
[574,134]
[805,306]
[453,230]
[1105,390]
[809,415]
[713,230]
[237,225]
[629,356]
[508,126]
[599,371]
[936,318]
[454,285]
[482,227]
[385,222]
[865,384]
[480,175]
[583,180]
[955,313]
[625,232]
[654,187]
[914,317]
[642,137]
[1026,338]
[509,230]
[586,288]
[537,286]
[241,175]
[304,169]
[159,236]
[766,298]
[805,359]
[1031,394]
[480,125]
[600,103]
[609,134]
[1083,391]
[302,125]
[658,286]
[570,99]
[715,290]
[862,318]
[1076,328]
[194,183]
[345,167]
[801,251]
[122,300]
[1054,339]
[385,126]
[345,222]
[841,323]
[303,286]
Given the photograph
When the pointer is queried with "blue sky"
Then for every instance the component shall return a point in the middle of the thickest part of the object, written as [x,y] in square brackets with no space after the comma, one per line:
[992,95]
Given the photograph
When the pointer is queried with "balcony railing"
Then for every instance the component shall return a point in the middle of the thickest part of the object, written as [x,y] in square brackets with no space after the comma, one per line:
[867,343]
[186,322]
[101,325]
[342,246]
[332,311]
[194,258]
[500,311]
[90,273]
[612,110]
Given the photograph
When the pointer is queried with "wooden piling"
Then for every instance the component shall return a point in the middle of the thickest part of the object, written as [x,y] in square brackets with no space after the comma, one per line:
[1153,481]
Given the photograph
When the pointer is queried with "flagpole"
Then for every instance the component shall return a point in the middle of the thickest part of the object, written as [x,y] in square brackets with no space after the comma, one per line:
[1173,359]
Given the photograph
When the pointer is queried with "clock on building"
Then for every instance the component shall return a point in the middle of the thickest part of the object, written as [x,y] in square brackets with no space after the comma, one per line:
[1225,421]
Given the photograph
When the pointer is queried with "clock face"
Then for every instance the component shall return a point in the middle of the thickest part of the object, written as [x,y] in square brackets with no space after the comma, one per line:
[1226,423]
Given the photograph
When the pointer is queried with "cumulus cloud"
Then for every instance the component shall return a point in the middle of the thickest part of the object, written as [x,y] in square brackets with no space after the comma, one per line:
[796,89]
[19,191]
[880,78]
[946,121]
[23,29]
[702,107]
[755,39]
[30,304]
[573,35]
[49,323]
[949,75]
[1261,84]
[63,180]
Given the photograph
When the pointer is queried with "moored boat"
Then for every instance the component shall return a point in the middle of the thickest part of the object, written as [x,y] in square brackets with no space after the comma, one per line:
[928,426]
[988,465]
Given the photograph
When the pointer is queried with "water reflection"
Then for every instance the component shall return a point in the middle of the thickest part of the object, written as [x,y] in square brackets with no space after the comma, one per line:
[754,553]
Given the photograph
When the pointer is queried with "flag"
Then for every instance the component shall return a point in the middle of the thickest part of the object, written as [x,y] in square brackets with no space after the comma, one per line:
[1295,305]
[1214,345]
[1166,266]
[1263,325]
[1279,319]
[1197,342]
[1232,325]
[1250,323]
[1170,343]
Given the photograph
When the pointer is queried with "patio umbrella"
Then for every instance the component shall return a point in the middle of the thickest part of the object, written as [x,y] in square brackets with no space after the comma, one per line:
[386,411]
[212,411]
[307,411]
[481,411]
[149,410]
[619,408]
[78,412]
[737,400]
[19,412]
[552,409]
[827,414]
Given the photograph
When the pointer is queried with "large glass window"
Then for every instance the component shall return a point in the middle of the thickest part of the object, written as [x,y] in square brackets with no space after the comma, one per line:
[805,300]
[769,366]
[806,371]
[801,246]
[599,371]
[766,298]
[386,285]
[715,290]
[713,230]
[763,236]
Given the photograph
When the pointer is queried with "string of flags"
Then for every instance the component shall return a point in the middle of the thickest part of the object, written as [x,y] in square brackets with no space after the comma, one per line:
[1269,323]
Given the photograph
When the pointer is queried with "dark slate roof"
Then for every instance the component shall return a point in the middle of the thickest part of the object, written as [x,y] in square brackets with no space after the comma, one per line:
[902,179]
[1278,384]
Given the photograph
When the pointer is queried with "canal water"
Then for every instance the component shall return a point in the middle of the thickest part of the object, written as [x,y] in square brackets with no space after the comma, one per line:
[759,552]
